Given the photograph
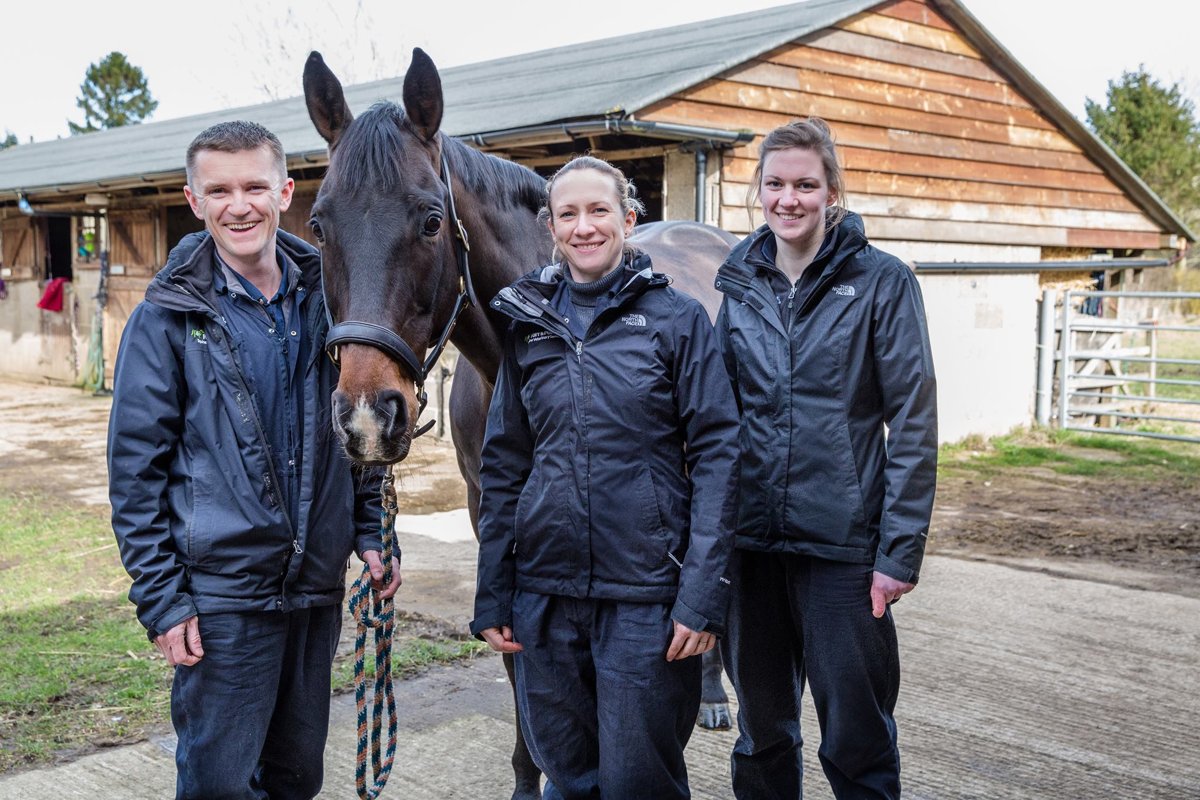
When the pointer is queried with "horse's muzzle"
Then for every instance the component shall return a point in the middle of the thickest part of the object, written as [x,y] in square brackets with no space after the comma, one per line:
[373,432]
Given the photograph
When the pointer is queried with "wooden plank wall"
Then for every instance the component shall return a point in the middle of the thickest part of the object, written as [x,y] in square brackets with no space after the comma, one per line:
[936,145]
[20,238]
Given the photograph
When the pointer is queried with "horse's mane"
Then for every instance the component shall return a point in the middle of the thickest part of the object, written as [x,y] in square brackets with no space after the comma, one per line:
[369,155]
[495,178]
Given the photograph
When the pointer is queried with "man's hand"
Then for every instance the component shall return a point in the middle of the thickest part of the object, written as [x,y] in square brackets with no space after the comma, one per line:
[885,590]
[375,564]
[687,643]
[501,639]
[181,644]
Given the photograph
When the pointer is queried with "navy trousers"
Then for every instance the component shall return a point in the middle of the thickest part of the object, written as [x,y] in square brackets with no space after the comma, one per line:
[794,618]
[253,714]
[602,710]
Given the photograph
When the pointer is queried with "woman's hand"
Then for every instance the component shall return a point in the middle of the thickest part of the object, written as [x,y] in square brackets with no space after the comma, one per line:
[500,639]
[687,643]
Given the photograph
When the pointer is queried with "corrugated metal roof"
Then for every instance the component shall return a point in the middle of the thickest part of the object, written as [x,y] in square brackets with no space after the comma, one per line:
[584,80]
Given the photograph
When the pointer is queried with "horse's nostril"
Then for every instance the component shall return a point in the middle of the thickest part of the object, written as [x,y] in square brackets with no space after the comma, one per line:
[393,413]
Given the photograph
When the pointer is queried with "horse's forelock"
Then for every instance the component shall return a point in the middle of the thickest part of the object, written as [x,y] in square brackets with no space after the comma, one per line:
[368,154]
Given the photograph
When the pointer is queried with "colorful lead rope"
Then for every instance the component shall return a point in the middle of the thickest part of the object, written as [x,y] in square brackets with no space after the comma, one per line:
[373,613]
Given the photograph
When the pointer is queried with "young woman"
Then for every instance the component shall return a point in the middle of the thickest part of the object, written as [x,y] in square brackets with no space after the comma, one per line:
[606,511]
[825,341]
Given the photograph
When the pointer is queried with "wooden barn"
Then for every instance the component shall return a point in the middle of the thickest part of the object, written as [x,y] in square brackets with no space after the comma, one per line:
[959,161]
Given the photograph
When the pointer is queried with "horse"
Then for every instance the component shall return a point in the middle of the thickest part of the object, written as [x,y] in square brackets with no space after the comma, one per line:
[400,207]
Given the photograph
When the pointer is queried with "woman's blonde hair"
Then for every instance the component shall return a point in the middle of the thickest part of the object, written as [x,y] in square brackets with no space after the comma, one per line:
[626,191]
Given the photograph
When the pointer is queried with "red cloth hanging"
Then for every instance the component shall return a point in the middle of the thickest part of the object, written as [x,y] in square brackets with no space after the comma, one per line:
[52,298]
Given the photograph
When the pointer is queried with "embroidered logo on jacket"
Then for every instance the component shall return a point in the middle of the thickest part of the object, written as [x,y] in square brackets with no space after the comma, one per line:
[843,290]
[198,336]
[634,320]
[538,336]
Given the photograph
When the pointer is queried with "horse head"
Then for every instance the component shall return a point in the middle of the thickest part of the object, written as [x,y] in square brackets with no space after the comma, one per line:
[383,220]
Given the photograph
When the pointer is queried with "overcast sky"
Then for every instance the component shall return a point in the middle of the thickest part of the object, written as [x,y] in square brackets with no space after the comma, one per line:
[222,53]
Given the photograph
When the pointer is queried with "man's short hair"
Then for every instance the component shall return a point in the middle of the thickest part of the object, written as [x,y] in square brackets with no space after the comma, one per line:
[235,137]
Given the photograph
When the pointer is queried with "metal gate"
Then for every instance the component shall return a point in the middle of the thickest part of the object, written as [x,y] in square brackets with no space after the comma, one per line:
[1132,378]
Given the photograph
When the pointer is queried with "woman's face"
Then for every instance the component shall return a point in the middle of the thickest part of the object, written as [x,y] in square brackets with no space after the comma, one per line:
[587,223]
[794,194]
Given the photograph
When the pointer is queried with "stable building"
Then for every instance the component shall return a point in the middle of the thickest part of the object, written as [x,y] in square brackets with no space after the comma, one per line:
[958,160]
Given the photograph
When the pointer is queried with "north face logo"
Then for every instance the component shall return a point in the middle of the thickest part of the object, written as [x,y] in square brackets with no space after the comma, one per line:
[538,336]
[634,320]
[843,290]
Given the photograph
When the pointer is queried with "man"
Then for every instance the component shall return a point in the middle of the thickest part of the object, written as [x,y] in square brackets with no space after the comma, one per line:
[234,507]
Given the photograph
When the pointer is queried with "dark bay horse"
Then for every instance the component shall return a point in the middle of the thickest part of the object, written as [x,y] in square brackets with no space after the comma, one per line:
[385,219]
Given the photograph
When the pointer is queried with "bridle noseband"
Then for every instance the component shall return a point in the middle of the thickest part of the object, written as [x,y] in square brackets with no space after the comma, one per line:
[387,340]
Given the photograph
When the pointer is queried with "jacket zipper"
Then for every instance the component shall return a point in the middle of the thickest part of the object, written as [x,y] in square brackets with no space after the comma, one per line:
[270,480]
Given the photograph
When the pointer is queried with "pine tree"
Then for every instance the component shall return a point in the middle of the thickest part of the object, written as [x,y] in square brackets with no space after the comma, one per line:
[9,140]
[1153,128]
[113,93]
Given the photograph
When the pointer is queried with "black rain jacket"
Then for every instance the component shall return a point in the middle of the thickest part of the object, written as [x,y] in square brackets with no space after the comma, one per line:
[609,462]
[817,379]
[195,507]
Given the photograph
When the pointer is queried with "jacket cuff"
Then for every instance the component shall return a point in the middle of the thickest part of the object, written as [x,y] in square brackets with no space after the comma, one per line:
[184,609]
[497,618]
[694,620]
[894,569]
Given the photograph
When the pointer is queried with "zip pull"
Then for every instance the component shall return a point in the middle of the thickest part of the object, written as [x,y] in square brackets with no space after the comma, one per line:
[792,293]
[296,547]
[579,348]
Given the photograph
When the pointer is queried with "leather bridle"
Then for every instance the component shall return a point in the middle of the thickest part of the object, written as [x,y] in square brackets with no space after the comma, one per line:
[387,340]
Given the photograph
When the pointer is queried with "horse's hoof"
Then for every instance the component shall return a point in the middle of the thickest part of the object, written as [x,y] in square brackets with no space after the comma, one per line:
[714,717]
[527,794]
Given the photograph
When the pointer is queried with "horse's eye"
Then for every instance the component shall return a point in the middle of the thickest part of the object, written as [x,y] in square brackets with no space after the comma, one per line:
[316,230]
[432,224]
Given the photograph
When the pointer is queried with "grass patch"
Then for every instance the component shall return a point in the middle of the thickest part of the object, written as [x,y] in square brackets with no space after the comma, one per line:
[76,676]
[410,656]
[77,670]
[50,550]
[1073,453]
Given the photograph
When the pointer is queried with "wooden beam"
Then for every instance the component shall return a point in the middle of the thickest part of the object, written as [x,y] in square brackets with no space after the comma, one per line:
[905,32]
[741,97]
[863,160]
[996,91]
[992,233]
[895,95]
[914,11]
[870,47]
[918,186]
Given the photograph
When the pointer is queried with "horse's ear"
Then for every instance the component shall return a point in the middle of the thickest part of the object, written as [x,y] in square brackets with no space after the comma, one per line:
[423,95]
[326,102]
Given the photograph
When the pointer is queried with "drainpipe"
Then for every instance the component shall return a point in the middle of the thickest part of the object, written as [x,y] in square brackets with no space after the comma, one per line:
[701,182]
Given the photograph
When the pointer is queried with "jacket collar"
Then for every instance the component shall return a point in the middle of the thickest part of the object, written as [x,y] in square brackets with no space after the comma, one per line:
[638,276]
[190,273]
[757,251]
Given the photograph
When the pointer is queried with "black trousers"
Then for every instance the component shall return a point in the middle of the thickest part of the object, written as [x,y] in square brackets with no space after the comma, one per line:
[796,618]
[603,712]
[253,715]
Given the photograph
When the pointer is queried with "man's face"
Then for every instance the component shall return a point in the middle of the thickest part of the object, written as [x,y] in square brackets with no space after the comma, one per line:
[240,197]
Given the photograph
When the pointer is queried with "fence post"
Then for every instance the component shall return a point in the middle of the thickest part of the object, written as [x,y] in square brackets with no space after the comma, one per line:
[1045,375]
[1064,381]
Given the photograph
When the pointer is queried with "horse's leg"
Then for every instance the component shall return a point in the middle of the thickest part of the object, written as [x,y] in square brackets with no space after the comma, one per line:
[714,703]
[469,401]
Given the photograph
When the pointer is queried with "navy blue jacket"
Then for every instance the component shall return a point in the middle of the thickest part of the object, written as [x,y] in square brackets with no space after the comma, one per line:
[817,379]
[610,461]
[195,501]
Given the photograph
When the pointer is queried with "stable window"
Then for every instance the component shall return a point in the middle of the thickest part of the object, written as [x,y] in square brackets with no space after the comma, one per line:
[85,239]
